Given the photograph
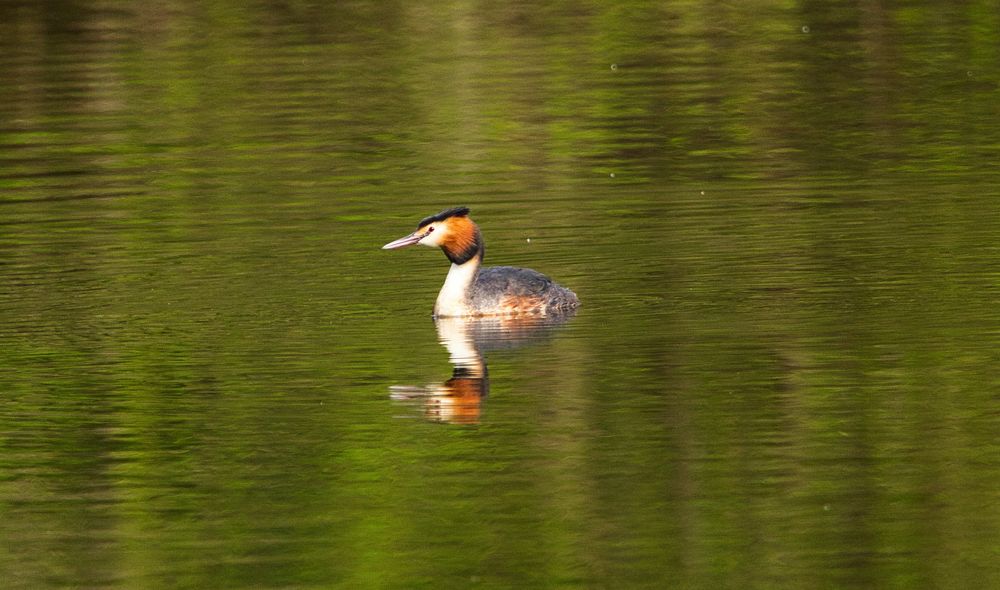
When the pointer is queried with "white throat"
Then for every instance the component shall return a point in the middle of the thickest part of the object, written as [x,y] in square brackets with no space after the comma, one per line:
[453,299]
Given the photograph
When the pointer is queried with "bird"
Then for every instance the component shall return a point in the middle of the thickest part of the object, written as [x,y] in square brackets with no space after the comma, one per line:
[472,290]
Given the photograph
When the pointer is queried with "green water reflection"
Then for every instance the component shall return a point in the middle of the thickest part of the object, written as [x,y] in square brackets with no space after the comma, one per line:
[781,219]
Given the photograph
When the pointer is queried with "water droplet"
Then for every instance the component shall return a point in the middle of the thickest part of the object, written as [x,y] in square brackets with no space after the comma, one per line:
[614,67]
[805,29]
[529,240]
[612,175]
[703,193]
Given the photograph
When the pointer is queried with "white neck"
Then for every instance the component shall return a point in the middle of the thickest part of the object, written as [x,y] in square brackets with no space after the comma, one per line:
[453,301]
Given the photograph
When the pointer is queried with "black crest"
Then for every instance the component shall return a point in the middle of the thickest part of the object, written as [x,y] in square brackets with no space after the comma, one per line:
[453,212]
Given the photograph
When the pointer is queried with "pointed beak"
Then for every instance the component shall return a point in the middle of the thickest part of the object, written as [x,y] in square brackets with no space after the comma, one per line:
[404,241]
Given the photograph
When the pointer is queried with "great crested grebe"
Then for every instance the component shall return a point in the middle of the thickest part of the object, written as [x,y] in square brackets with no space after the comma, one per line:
[490,291]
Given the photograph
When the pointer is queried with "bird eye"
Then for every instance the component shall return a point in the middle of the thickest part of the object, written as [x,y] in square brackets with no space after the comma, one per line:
[430,229]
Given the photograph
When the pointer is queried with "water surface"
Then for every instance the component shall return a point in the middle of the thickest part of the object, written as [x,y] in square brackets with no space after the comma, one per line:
[781,221]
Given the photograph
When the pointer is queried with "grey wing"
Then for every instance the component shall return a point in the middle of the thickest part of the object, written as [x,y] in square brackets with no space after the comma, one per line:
[498,282]
[511,280]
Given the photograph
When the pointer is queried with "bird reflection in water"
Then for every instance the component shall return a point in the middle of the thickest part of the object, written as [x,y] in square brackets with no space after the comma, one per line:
[459,400]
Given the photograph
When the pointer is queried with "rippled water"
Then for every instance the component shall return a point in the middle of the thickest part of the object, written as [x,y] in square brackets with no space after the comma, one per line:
[782,222]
